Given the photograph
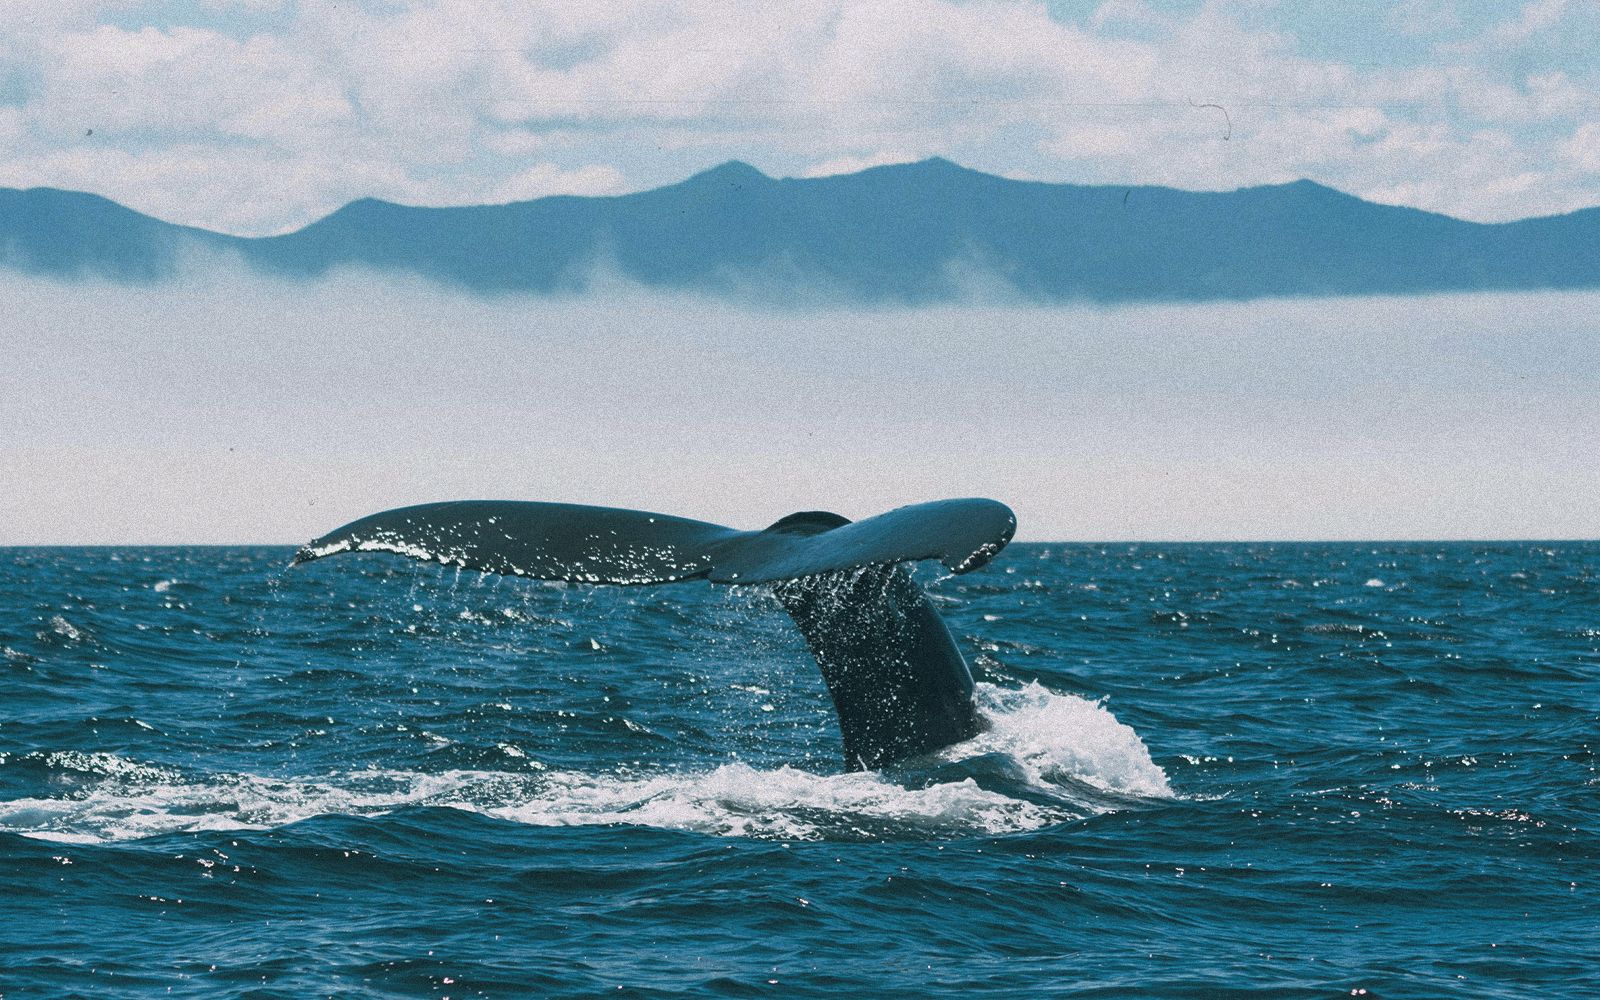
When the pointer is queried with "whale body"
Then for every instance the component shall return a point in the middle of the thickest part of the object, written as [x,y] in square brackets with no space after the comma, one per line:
[899,683]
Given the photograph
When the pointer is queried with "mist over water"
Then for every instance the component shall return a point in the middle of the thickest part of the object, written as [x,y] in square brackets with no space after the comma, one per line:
[230,408]
[1252,769]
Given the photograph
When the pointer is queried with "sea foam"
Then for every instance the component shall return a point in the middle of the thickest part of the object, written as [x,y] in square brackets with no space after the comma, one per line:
[1053,740]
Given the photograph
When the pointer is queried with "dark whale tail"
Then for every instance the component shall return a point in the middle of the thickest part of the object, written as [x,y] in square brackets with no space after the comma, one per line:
[898,681]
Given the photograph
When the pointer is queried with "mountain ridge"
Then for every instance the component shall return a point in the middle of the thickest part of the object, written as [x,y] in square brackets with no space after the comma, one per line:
[890,233]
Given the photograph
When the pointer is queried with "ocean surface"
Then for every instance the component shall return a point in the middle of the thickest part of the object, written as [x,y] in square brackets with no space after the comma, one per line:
[1212,771]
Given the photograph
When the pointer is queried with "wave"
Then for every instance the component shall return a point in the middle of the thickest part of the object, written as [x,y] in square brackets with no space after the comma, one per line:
[1056,753]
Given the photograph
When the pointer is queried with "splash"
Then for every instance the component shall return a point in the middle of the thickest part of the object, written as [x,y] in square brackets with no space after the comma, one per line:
[1058,737]
[1053,740]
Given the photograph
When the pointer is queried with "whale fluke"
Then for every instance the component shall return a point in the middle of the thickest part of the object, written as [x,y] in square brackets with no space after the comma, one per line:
[898,681]
[546,541]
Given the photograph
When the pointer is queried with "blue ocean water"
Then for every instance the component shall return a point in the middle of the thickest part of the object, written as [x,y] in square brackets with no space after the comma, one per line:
[1213,771]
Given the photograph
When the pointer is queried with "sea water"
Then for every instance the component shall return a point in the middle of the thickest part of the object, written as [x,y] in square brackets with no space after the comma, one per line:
[1210,771]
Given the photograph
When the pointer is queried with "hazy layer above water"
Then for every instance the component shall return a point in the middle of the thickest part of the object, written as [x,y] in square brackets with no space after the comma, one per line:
[244,410]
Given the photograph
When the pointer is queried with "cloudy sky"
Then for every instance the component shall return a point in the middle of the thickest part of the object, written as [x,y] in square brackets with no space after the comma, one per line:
[256,116]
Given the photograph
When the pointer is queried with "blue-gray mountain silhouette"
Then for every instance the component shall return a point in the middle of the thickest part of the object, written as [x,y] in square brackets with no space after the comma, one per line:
[916,232]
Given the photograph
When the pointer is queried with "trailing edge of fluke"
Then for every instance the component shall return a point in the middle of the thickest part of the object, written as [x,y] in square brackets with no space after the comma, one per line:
[898,681]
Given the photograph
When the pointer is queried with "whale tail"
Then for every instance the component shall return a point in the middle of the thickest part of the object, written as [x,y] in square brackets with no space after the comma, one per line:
[899,683]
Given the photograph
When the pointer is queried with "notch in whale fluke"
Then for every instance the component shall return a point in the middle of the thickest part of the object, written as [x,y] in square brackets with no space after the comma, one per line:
[899,683]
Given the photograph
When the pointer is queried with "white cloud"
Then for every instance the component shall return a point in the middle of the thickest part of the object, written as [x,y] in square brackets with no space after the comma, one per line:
[1536,17]
[546,179]
[11,125]
[296,108]
[1583,147]
[855,164]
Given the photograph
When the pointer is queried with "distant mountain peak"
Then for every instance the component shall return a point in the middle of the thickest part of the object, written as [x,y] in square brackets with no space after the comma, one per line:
[933,165]
[940,163]
[731,172]
[63,197]
[1308,186]
[366,205]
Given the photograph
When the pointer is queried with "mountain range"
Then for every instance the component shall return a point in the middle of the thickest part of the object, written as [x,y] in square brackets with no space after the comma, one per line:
[918,232]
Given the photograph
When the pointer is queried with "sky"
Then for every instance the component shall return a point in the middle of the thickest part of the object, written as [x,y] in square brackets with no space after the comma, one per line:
[242,409]
[258,116]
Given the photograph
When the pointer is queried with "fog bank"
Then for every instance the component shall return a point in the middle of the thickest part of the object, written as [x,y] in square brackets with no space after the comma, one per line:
[250,410]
